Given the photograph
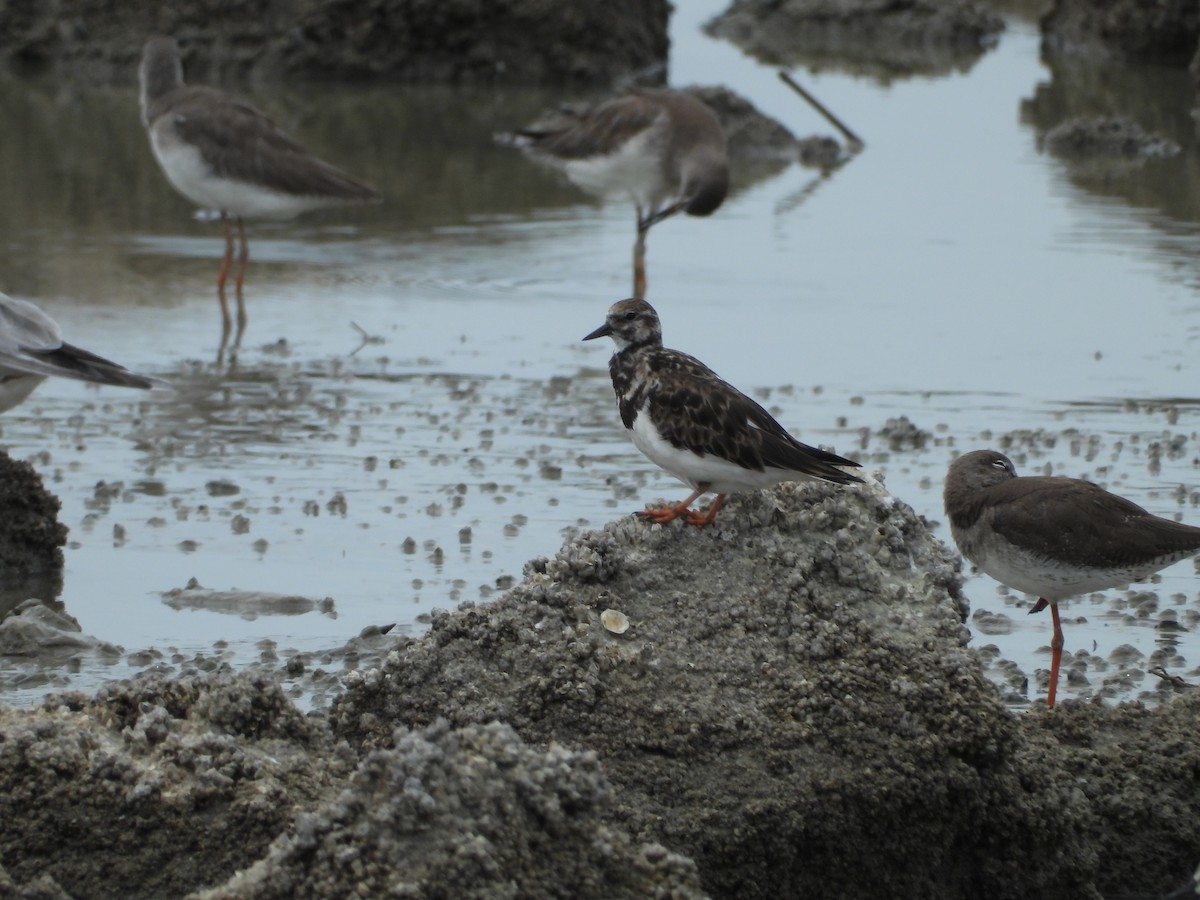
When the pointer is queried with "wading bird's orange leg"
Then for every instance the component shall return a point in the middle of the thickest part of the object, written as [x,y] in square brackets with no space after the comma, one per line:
[1056,648]
[663,515]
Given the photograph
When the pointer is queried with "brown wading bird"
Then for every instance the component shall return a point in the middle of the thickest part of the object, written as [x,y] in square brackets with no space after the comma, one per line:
[32,350]
[663,148]
[1055,537]
[224,155]
[702,430]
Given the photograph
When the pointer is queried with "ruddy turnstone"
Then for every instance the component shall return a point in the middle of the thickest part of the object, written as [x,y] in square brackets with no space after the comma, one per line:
[1055,537]
[224,155]
[663,148]
[702,430]
[32,350]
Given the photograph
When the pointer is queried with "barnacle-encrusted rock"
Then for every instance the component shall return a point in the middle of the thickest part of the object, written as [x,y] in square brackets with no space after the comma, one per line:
[470,812]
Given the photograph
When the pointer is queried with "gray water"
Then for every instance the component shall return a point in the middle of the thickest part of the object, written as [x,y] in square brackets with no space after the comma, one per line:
[951,273]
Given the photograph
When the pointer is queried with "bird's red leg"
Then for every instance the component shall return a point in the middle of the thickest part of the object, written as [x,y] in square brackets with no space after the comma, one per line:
[243,257]
[223,275]
[671,513]
[1056,648]
[639,258]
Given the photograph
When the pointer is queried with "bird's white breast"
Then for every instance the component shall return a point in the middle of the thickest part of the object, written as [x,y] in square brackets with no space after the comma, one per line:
[636,169]
[694,469]
[1031,573]
[189,173]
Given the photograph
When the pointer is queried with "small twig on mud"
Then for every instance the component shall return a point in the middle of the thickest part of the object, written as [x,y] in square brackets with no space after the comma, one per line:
[854,140]
[1175,681]
[366,338]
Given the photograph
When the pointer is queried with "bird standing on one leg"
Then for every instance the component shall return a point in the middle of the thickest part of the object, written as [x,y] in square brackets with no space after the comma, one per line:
[702,430]
[224,155]
[1055,537]
[663,148]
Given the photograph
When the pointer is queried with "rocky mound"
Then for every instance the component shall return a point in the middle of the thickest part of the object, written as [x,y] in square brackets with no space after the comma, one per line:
[785,707]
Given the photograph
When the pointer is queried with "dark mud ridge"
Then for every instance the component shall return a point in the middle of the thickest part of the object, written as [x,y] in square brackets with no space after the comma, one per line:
[792,712]
[446,42]
[885,39]
[1165,32]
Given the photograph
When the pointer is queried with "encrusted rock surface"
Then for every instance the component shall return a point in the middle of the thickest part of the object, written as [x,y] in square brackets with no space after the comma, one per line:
[472,812]
[153,788]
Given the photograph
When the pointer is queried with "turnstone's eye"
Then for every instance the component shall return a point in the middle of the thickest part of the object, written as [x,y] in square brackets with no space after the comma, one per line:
[630,316]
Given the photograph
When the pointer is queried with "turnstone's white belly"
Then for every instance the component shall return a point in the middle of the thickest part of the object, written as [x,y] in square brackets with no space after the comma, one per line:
[722,476]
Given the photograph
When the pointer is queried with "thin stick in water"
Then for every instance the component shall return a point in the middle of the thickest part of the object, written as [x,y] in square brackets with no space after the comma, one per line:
[850,136]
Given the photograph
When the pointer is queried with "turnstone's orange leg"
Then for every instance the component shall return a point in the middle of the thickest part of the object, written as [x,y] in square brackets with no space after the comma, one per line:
[701,519]
[671,513]
[1056,648]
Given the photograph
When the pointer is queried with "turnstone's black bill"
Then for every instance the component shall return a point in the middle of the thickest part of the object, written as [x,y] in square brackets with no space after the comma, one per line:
[224,155]
[1055,537]
[705,432]
[32,350]
[663,148]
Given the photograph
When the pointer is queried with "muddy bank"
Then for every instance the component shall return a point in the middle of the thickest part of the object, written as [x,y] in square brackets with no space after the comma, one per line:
[1106,137]
[1165,33]
[464,42]
[862,37]
[792,711]
[756,140]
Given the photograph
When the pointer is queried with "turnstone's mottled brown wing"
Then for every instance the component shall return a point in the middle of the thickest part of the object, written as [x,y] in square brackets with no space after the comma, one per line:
[597,131]
[694,409]
[1080,523]
[241,143]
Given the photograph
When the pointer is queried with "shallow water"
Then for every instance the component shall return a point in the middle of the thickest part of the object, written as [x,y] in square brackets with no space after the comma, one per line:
[950,273]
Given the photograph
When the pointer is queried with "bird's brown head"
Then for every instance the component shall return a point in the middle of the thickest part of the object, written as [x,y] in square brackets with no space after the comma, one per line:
[980,469]
[630,323]
[705,180]
[160,72]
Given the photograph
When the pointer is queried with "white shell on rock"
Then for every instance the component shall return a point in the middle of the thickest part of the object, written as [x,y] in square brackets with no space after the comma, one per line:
[616,622]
